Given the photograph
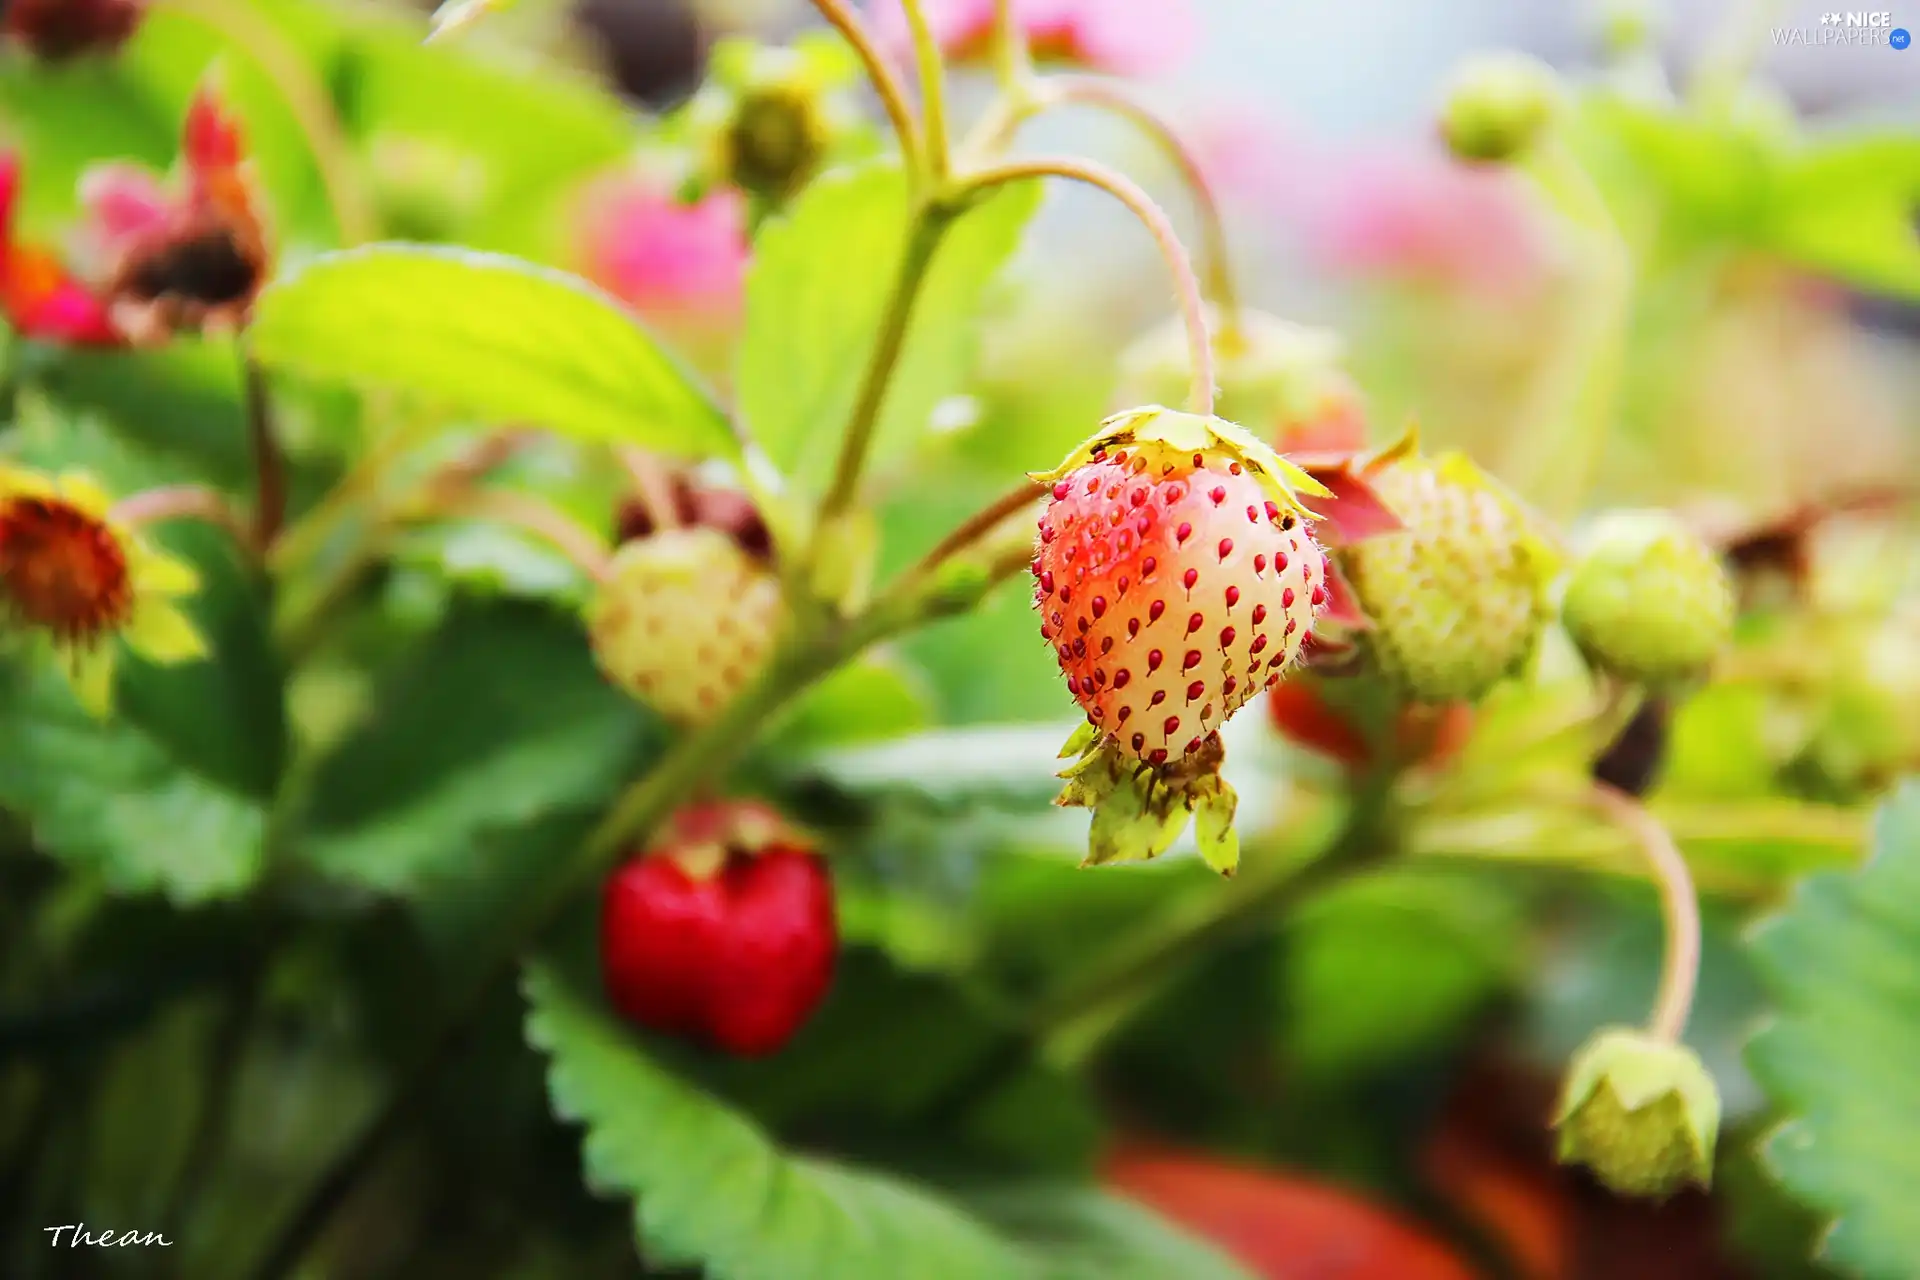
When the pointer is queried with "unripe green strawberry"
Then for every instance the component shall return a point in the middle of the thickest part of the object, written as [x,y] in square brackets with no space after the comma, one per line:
[1497,105]
[1457,599]
[1642,1113]
[771,117]
[685,620]
[1175,578]
[1649,601]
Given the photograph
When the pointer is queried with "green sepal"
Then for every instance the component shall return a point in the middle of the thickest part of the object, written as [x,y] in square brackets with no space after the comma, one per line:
[1641,1112]
[1401,450]
[1187,433]
[1215,802]
[1140,810]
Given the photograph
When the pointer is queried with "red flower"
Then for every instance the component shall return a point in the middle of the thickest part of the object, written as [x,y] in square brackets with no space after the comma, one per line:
[190,260]
[37,294]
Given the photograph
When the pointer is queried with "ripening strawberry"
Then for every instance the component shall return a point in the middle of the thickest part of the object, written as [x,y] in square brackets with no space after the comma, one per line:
[685,620]
[723,932]
[1175,577]
[1457,599]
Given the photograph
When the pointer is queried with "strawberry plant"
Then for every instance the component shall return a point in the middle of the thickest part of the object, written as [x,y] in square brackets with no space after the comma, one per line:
[537,633]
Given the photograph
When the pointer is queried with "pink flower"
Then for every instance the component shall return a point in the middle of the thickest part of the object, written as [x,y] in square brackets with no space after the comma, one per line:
[38,296]
[1405,213]
[661,256]
[1125,37]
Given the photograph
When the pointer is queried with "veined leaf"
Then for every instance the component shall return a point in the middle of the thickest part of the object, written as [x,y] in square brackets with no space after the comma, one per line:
[494,337]
[711,1190]
[1842,964]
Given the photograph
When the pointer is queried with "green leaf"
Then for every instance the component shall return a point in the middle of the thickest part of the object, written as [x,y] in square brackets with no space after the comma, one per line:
[819,283]
[1849,208]
[110,797]
[1842,963]
[1090,1236]
[502,339]
[499,719]
[712,1191]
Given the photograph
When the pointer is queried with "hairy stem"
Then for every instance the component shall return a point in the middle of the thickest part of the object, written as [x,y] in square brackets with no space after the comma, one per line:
[980,523]
[307,99]
[1216,256]
[886,82]
[561,531]
[933,93]
[1193,307]
[923,238]
[1680,967]
[182,502]
[269,463]
[652,486]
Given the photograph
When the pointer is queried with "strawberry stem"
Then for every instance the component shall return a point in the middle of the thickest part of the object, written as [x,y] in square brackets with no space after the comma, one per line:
[563,532]
[936,159]
[269,462]
[980,523]
[1117,100]
[886,83]
[182,502]
[1193,307]
[1013,61]
[1680,966]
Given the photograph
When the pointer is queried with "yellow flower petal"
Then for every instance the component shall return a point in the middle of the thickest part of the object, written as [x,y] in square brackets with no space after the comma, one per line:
[157,573]
[90,672]
[17,482]
[160,633]
[85,494]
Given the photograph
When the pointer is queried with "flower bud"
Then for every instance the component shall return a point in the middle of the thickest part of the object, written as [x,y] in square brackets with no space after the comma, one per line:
[1497,106]
[769,118]
[1641,1113]
[1649,602]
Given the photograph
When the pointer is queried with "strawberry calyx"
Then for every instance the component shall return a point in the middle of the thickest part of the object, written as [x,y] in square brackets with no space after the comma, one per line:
[1177,434]
[703,838]
[1139,810]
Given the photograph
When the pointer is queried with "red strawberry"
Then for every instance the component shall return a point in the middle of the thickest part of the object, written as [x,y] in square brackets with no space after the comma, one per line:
[724,932]
[1176,579]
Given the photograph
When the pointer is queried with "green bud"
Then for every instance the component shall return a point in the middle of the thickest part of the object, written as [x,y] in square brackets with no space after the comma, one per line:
[1627,26]
[425,191]
[1649,601]
[1497,106]
[770,118]
[1643,1114]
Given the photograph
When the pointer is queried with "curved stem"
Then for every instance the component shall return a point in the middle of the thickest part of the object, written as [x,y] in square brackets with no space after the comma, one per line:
[886,83]
[1115,98]
[981,523]
[1193,307]
[652,486]
[933,93]
[923,237]
[181,502]
[1681,965]
[307,100]
[563,532]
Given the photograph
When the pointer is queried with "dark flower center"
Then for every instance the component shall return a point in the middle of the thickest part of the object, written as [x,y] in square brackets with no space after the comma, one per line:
[209,268]
[62,570]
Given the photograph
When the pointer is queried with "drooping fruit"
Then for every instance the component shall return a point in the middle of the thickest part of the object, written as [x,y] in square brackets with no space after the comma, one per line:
[1457,599]
[685,620]
[1497,106]
[1649,602]
[723,932]
[1642,1113]
[1175,577]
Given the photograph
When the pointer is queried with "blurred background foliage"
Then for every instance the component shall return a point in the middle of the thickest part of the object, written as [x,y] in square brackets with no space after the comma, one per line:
[223,911]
